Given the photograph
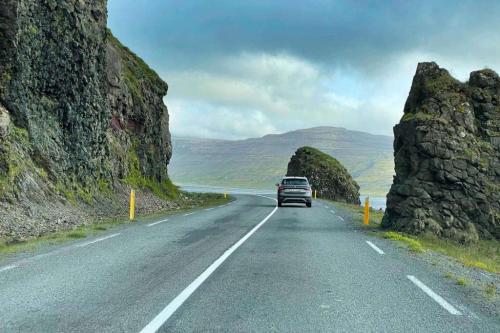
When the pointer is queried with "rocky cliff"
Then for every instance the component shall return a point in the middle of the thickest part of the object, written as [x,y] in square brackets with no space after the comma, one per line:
[446,152]
[80,115]
[325,174]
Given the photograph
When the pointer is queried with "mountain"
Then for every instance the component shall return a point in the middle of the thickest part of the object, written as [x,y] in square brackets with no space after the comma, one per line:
[261,162]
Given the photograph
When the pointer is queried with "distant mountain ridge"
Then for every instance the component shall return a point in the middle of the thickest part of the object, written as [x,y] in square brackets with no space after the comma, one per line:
[260,162]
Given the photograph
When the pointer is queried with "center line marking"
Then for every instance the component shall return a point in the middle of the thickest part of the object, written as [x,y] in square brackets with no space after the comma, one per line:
[98,240]
[340,217]
[332,211]
[6,268]
[373,246]
[189,214]
[155,223]
[170,309]
[441,301]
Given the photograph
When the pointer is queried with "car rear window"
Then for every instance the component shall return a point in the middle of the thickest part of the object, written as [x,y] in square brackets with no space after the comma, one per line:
[292,181]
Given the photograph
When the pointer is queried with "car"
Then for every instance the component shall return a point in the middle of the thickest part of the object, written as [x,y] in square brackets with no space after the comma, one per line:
[294,190]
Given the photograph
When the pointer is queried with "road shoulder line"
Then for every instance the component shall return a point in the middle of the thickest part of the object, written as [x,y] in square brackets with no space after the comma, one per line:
[155,223]
[375,247]
[7,268]
[441,301]
[98,240]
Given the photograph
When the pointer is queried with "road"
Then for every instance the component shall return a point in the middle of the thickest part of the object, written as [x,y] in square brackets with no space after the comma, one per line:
[243,267]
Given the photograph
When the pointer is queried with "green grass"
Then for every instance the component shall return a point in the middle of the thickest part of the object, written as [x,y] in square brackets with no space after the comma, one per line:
[460,281]
[78,234]
[413,244]
[491,290]
[484,254]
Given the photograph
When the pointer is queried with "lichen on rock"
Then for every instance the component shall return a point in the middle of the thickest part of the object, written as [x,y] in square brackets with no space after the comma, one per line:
[326,175]
[447,157]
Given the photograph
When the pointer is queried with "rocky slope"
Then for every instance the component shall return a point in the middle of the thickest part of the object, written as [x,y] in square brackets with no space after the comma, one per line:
[447,157]
[259,162]
[80,117]
[325,174]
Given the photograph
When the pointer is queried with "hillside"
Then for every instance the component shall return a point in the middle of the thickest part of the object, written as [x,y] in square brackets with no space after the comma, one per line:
[260,162]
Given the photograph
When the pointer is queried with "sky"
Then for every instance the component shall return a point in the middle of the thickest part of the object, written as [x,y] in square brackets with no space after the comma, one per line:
[239,69]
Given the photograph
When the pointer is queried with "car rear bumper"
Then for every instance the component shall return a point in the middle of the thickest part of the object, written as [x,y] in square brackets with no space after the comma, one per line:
[294,199]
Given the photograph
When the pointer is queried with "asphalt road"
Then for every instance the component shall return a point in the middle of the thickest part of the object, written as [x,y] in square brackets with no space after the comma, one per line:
[244,267]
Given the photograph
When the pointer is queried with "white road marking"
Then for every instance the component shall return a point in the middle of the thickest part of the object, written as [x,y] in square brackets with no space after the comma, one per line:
[441,301]
[326,207]
[209,208]
[332,211]
[189,214]
[6,268]
[98,240]
[263,196]
[373,246]
[170,309]
[155,223]
[225,204]
[340,217]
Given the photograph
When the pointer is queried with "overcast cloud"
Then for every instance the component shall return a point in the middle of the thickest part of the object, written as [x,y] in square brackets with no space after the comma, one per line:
[240,69]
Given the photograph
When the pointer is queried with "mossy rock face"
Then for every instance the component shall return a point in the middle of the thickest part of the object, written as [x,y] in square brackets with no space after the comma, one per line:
[75,104]
[325,174]
[447,157]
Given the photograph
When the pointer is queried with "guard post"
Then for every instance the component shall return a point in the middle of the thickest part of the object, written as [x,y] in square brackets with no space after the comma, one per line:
[367,211]
[132,205]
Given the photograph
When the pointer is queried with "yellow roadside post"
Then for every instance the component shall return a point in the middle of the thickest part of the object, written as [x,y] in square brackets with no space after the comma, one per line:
[132,205]
[315,194]
[367,211]
[225,195]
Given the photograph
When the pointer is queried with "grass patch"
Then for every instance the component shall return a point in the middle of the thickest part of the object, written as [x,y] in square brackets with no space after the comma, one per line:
[413,244]
[491,290]
[77,234]
[462,282]
[484,254]
[99,228]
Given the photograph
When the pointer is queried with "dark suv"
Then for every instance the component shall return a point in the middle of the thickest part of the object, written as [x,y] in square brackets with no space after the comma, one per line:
[294,190]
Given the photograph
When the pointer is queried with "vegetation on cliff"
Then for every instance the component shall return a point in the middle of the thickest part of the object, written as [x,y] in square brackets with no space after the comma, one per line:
[325,174]
[82,119]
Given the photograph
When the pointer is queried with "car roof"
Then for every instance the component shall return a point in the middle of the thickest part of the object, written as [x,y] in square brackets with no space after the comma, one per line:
[294,177]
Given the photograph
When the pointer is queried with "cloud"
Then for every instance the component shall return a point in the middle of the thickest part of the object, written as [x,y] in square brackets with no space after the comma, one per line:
[247,68]
[267,93]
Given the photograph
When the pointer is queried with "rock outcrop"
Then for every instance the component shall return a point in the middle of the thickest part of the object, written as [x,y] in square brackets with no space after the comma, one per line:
[80,114]
[325,174]
[447,157]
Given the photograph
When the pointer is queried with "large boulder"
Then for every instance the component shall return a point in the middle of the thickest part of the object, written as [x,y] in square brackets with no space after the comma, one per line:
[446,153]
[325,174]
